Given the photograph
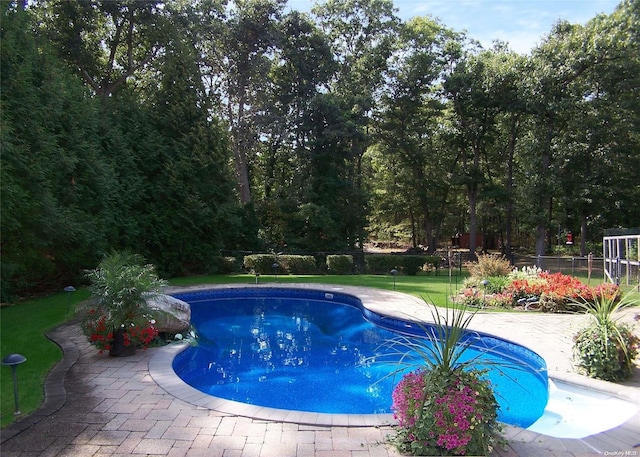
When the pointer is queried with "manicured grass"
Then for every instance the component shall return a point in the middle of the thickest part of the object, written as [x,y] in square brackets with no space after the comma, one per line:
[22,331]
[436,289]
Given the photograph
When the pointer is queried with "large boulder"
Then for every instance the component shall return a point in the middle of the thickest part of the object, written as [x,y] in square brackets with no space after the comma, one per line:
[172,315]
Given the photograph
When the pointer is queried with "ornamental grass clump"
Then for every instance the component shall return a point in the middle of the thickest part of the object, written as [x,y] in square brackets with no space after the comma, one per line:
[489,265]
[445,406]
[606,349]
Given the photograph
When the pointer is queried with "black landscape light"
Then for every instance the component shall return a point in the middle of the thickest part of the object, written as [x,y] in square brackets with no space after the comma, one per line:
[13,360]
[394,272]
[275,267]
[69,290]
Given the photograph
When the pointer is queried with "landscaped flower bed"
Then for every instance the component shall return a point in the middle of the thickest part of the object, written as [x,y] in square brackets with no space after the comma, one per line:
[605,349]
[529,288]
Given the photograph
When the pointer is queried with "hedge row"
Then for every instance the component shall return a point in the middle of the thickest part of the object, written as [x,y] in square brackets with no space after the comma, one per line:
[332,264]
[407,264]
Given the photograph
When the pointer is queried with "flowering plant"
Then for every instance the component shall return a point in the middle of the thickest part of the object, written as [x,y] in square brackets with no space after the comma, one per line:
[445,407]
[442,413]
[139,333]
[470,297]
[558,292]
[120,287]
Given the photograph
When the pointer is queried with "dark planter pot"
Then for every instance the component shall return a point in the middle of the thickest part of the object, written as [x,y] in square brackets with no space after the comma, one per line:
[118,348]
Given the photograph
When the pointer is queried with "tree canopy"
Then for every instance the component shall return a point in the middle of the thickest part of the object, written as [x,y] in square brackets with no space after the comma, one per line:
[182,129]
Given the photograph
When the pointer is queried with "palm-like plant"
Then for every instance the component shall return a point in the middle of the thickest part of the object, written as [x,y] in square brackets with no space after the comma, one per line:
[436,413]
[442,348]
[120,286]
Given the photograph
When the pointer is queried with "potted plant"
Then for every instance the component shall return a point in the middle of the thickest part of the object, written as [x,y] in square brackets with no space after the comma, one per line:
[117,317]
[445,406]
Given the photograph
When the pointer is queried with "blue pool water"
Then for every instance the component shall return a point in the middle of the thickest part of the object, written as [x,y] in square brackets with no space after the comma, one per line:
[310,350]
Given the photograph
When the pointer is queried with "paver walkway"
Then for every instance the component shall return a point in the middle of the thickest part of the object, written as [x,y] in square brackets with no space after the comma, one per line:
[102,406]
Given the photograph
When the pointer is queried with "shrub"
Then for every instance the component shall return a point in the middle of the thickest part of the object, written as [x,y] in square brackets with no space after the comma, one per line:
[340,264]
[223,265]
[260,263]
[381,264]
[470,282]
[433,262]
[496,284]
[407,264]
[606,349]
[489,265]
[411,264]
[298,264]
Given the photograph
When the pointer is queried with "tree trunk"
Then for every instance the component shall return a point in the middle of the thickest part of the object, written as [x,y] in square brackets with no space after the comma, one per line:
[473,221]
[507,246]
[540,239]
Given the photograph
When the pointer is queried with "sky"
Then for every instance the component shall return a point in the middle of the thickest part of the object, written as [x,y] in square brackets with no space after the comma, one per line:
[521,23]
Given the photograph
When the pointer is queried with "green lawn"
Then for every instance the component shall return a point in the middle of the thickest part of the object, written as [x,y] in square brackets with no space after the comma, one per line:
[22,331]
[434,288]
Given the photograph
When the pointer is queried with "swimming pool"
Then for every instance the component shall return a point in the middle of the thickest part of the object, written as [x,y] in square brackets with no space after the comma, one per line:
[311,350]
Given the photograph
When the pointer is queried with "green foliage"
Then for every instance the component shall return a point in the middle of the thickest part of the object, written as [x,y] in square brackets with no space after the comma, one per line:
[378,264]
[497,284]
[52,176]
[407,264]
[224,265]
[261,263]
[287,264]
[298,264]
[606,349]
[134,150]
[340,264]
[412,264]
[119,288]
[421,398]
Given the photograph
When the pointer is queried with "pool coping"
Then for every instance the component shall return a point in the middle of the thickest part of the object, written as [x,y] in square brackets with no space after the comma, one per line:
[389,303]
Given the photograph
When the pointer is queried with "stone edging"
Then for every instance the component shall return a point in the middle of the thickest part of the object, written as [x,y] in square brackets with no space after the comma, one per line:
[55,394]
